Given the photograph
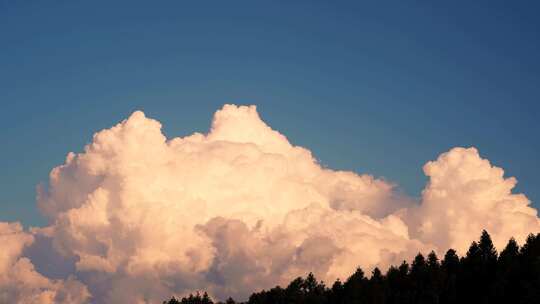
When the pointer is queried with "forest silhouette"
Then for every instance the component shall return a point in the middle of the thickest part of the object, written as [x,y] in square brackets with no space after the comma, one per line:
[482,276]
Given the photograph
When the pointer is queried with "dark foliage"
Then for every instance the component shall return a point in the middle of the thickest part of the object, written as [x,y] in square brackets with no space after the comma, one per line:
[192,299]
[481,276]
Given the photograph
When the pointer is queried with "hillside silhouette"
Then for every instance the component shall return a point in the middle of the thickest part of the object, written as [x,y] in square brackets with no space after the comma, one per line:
[482,276]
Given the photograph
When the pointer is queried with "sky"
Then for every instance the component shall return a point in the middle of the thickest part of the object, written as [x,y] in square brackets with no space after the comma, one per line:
[376,89]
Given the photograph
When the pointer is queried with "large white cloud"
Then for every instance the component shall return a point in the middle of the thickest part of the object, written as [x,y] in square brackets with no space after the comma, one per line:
[142,217]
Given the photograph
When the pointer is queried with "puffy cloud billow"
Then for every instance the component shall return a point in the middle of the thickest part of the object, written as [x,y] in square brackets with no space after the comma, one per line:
[138,217]
[19,281]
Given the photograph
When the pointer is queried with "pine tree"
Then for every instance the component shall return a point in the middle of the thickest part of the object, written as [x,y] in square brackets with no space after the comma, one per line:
[376,288]
[487,276]
[450,268]
[530,269]
[508,273]
[354,287]
[434,278]
[406,294]
[393,285]
[310,283]
[450,264]
[294,290]
[419,279]
[206,299]
[336,293]
[509,253]
[488,251]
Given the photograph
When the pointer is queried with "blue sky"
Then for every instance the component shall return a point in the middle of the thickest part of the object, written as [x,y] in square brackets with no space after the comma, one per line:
[377,89]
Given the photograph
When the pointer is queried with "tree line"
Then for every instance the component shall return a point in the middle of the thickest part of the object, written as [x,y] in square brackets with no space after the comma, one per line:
[482,276]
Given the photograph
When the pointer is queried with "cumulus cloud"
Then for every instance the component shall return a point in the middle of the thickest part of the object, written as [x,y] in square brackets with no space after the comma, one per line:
[140,217]
[466,194]
[19,281]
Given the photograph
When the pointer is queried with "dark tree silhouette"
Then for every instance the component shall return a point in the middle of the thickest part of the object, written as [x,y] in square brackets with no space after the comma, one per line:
[450,269]
[355,287]
[481,276]
[530,270]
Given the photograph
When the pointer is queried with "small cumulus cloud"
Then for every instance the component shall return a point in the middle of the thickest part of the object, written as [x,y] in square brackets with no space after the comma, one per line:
[236,210]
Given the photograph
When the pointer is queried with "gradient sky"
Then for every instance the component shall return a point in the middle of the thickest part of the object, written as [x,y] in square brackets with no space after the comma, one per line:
[377,89]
